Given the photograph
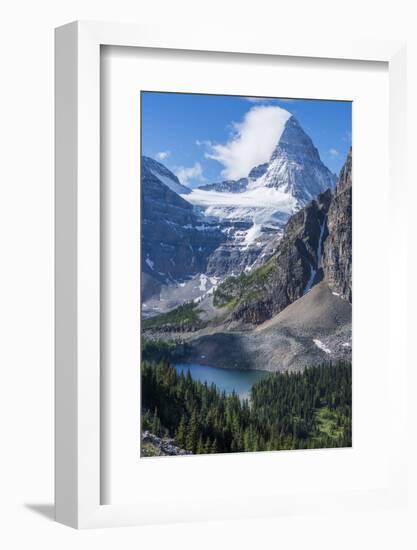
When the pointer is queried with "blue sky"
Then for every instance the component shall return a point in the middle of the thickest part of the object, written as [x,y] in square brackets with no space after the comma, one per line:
[208,138]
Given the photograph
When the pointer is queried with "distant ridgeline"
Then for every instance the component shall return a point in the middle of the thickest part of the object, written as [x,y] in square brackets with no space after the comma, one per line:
[301,410]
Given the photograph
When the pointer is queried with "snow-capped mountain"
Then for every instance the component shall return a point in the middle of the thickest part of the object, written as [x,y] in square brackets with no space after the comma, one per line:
[295,167]
[164,175]
[228,227]
[256,208]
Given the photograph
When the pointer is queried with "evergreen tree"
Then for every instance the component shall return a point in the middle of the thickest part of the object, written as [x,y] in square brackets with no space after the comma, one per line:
[156,423]
[200,446]
[181,433]
[192,432]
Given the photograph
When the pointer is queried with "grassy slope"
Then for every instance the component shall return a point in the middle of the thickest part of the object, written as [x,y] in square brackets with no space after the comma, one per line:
[185,316]
[244,287]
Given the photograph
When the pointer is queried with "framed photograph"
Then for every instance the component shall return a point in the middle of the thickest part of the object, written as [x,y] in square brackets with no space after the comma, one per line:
[247,275]
[221,347]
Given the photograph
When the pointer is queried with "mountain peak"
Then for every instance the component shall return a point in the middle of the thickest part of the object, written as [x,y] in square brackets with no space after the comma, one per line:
[164,175]
[295,166]
[295,142]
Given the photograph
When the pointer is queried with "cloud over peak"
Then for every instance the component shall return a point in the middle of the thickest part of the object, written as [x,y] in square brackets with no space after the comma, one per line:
[190,175]
[252,141]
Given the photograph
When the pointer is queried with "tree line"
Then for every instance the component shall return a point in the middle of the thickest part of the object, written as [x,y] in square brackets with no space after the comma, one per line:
[299,410]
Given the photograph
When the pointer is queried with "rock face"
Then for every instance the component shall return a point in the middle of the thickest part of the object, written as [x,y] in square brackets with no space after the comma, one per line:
[238,252]
[337,258]
[175,243]
[227,186]
[258,171]
[164,175]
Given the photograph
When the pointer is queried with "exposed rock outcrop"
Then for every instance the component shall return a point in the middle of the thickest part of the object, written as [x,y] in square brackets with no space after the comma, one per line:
[337,257]
[227,186]
[152,445]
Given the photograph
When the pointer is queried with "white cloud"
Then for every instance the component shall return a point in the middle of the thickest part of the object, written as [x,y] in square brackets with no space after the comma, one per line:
[334,152]
[188,175]
[252,142]
[162,155]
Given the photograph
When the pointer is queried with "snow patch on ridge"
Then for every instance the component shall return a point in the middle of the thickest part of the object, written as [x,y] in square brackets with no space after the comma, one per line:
[168,182]
[252,234]
[149,262]
[203,282]
[321,346]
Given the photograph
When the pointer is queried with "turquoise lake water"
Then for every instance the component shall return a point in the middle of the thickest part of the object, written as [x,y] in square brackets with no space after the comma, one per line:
[228,380]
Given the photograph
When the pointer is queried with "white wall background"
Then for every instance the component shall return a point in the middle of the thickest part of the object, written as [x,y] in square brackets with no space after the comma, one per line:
[26,272]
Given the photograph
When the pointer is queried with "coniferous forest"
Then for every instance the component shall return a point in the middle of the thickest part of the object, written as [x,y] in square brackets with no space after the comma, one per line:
[292,410]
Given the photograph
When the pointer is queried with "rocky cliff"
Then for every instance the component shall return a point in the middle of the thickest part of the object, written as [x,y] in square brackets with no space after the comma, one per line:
[227,186]
[164,175]
[337,256]
[175,242]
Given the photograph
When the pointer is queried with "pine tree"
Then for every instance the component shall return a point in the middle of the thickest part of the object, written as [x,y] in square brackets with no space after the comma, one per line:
[200,446]
[191,441]
[156,423]
[181,433]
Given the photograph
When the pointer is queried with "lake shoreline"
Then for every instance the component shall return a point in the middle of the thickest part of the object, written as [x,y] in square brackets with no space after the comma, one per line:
[229,380]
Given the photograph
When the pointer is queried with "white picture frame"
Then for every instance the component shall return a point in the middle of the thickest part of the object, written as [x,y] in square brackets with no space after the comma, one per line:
[78,406]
